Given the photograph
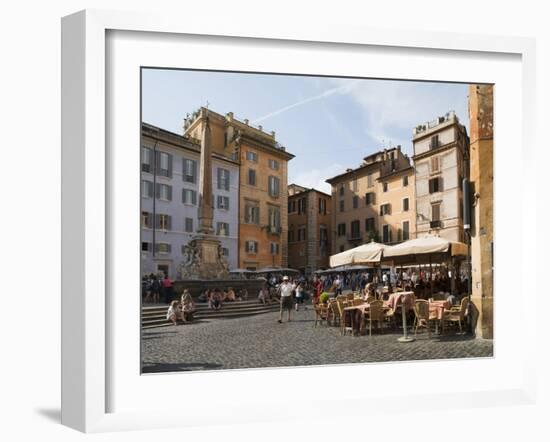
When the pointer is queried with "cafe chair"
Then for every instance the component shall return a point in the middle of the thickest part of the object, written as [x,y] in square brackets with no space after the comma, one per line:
[422,316]
[375,313]
[456,314]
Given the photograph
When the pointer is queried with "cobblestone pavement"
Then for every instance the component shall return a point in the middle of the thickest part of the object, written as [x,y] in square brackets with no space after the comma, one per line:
[260,341]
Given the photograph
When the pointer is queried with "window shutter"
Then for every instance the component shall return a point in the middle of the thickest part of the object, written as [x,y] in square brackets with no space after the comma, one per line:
[220,174]
[183,196]
[157,162]
[169,193]
[193,197]
[168,222]
[169,165]
[157,191]
[381,210]
[157,221]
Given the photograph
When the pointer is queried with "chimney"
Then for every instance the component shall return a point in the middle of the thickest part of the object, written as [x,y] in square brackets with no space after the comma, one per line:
[246,121]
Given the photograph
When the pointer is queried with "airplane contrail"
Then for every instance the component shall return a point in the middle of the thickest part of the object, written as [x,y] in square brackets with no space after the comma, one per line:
[324,94]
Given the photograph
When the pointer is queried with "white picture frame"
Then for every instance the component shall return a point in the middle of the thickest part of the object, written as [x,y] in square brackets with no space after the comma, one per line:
[86,257]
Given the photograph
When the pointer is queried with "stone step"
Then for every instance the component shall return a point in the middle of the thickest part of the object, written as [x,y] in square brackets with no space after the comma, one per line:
[162,311]
[162,321]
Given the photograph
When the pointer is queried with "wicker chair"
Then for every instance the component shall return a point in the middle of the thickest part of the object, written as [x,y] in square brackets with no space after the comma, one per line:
[370,299]
[422,316]
[456,314]
[333,312]
[321,313]
[345,319]
[375,313]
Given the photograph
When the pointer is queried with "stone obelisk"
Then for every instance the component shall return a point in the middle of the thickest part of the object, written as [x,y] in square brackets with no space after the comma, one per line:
[203,255]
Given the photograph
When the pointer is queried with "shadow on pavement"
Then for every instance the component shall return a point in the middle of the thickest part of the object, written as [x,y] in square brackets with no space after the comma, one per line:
[170,368]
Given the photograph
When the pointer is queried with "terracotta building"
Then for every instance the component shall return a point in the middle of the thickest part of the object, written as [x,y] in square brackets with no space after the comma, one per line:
[309,227]
[481,178]
[263,218]
[375,201]
[440,162]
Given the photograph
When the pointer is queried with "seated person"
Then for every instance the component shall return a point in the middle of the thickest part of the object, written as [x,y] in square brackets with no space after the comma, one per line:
[216,300]
[204,296]
[187,306]
[243,295]
[230,296]
[174,312]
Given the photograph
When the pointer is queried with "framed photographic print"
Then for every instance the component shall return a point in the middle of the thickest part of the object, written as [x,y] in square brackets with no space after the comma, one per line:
[273,209]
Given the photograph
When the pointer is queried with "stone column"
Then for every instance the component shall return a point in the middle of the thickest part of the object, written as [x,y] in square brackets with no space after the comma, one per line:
[206,211]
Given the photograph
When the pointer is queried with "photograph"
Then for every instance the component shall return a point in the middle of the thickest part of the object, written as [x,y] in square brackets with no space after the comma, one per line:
[303,220]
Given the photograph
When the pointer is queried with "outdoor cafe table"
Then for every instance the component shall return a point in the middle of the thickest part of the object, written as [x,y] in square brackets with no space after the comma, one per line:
[438,307]
[363,308]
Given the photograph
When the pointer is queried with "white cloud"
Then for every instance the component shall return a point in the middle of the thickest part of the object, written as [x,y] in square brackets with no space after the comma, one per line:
[315,178]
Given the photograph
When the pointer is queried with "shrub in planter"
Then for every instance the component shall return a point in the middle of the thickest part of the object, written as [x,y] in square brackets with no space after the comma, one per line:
[323,298]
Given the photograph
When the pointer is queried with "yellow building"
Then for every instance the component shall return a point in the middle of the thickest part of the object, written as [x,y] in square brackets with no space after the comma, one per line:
[263,217]
[375,201]
[481,177]
[309,227]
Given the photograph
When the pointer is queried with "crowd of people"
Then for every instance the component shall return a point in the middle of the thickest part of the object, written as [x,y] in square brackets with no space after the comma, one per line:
[292,294]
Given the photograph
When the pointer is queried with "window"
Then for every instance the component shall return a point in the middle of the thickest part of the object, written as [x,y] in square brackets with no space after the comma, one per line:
[163,221]
[292,206]
[436,212]
[146,189]
[434,142]
[189,196]
[354,185]
[251,177]
[145,246]
[369,180]
[435,185]
[188,225]
[273,164]
[302,205]
[162,247]
[225,251]
[405,181]
[370,198]
[301,233]
[355,202]
[189,171]
[164,192]
[341,189]
[146,220]
[146,160]
[369,225]
[274,220]
[223,202]
[274,248]
[164,164]
[385,187]
[274,186]
[385,209]
[386,233]
[405,230]
[251,213]
[341,205]
[252,156]
[434,164]
[223,179]
[291,235]
[341,229]
[222,229]
[251,247]
[322,206]
[405,205]
[355,229]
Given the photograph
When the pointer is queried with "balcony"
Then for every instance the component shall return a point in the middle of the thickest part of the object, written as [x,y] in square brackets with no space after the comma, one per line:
[436,224]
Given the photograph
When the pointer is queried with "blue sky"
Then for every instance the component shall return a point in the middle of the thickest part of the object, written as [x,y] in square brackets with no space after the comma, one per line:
[330,124]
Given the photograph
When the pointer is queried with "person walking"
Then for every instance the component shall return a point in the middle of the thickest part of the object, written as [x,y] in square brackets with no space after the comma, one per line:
[285,292]
[299,295]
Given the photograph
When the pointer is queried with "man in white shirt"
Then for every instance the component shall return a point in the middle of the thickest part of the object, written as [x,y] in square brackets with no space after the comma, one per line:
[285,292]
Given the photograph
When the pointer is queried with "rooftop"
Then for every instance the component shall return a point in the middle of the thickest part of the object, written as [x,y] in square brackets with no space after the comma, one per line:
[429,126]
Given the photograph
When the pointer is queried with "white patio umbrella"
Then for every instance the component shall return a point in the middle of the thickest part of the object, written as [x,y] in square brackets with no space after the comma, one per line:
[369,253]
[428,245]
